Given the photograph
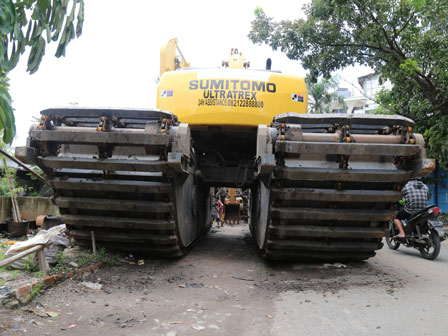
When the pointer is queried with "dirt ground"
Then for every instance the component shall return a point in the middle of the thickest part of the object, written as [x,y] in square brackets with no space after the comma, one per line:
[223,287]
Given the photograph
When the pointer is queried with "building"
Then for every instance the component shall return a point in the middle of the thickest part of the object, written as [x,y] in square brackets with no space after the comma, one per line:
[361,101]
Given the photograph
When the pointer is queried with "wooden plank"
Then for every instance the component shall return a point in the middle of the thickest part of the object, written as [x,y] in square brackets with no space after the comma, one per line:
[41,260]
[10,260]
[71,136]
[352,175]
[274,254]
[118,222]
[334,246]
[323,148]
[113,205]
[333,214]
[110,185]
[159,239]
[333,195]
[92,235]
[148,249]
[106,164]
[327,231]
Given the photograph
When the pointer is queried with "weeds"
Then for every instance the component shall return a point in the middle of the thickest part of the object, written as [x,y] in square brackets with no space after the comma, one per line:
[35,291]
[61,264]
[30,264]
[86,258]
[38,274]
[9,277]
[14,274]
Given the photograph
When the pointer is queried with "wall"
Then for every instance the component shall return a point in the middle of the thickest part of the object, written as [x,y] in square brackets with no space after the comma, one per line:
[439,190]
[30,207]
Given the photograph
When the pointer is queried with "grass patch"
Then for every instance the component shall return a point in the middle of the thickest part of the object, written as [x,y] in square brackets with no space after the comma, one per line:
[87,258]
[14,274]
[83,258]
[2,257]
[30,264]
[36,290]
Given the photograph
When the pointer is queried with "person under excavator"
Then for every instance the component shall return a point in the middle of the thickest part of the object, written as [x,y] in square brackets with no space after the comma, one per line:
[416,196]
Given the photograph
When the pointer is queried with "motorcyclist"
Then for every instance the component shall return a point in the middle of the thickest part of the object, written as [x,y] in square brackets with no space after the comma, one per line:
[416,195]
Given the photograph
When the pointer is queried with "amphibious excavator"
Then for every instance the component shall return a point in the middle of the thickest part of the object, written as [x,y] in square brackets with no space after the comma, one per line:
[322,186]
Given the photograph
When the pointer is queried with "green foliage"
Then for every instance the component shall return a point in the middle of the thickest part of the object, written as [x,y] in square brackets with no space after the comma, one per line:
[14,274]
[36,290]
[322,94]
[4,188]
[8,174]
[30,264]
[61,265]
[84,258]
[405,41]
[2,257]
[6,113]
[34,187]
[258,11]
[436,135]
[32,24]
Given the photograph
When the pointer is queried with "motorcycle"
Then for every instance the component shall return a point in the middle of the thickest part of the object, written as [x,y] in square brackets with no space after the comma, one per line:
[423,232]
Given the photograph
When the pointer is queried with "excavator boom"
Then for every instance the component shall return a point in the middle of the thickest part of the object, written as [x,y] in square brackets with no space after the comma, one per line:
[171,57]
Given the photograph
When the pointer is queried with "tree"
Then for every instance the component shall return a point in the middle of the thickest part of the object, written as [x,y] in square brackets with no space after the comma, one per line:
[32,24]
[322,94]
[405,41]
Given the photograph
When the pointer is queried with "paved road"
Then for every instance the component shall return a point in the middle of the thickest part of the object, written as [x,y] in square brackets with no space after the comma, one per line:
[416,305]
[223,287]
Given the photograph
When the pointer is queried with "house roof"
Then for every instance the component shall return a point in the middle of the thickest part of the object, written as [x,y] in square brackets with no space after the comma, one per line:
[362,79]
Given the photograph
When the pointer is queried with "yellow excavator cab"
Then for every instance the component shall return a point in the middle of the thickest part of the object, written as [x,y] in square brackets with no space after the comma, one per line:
[229,96]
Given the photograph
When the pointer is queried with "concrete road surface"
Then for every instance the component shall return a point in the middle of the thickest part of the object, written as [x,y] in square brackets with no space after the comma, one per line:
[372,304]
[223,287]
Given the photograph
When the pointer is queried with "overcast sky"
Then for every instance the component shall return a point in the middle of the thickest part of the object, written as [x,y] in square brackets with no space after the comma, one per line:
[115,62]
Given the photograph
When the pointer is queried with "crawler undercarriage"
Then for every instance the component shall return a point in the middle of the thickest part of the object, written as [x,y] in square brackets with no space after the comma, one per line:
[321,186]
